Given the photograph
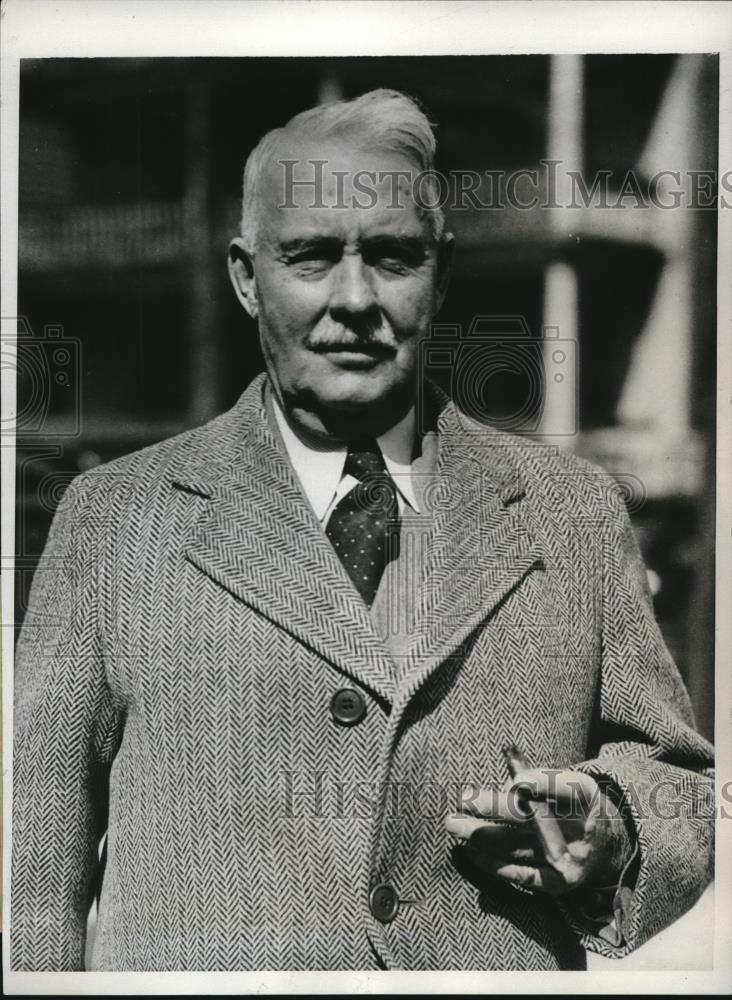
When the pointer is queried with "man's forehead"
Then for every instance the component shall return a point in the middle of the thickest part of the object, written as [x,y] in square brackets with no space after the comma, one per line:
[320,185]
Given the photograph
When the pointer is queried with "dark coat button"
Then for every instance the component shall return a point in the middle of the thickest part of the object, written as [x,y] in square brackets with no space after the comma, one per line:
[383,902]
[347,707]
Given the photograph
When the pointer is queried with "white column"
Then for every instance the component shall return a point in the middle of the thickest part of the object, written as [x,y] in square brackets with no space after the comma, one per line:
[561,345]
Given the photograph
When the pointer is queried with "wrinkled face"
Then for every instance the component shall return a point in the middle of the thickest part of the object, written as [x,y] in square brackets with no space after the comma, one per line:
[343,295]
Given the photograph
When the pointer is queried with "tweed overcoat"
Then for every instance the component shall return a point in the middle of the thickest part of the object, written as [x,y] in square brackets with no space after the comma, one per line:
[188,626]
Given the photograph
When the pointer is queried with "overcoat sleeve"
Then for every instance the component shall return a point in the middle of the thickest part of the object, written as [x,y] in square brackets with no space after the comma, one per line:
[647,755]
[66,730]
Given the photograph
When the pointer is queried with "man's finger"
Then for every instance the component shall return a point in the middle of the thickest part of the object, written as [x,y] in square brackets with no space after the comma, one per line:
[464,827]
[570,790]
[539,877]
[492,803]
[506,840]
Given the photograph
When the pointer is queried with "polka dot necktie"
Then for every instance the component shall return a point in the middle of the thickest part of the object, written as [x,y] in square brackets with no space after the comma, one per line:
[364,525]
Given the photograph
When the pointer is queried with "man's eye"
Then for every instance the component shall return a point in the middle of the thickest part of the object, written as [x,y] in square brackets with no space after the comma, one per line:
[311,262]
[315,261]
[309,267]
[397,265]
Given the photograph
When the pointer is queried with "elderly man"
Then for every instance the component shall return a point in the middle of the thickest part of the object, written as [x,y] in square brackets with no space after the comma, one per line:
[278,658]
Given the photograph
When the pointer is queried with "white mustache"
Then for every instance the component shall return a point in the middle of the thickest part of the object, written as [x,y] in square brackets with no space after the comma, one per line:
[345,339]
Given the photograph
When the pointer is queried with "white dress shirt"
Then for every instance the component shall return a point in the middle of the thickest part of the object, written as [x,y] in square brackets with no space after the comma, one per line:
[320,467]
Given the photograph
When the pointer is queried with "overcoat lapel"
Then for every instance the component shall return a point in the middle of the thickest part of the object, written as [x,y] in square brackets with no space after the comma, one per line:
[260,540]
[481,544]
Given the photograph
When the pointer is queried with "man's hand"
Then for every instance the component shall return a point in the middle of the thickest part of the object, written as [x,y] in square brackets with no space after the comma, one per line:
[500,840]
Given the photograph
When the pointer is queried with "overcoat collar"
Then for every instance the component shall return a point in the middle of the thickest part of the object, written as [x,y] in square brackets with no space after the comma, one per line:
[260,539]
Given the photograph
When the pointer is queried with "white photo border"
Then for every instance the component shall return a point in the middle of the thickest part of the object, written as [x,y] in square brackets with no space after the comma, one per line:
[229,28]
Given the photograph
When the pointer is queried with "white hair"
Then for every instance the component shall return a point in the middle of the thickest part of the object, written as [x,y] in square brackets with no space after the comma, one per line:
[381,119]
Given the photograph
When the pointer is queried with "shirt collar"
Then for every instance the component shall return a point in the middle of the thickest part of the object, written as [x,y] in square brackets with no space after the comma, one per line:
[319,467]
[397,446]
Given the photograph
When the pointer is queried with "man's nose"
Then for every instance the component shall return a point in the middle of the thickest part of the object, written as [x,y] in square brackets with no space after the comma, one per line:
[353,289]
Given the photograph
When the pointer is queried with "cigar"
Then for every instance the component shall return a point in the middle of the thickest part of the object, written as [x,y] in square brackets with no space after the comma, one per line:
[545,826]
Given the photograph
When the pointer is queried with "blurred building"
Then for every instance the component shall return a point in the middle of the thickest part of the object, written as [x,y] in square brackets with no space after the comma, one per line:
[130,180]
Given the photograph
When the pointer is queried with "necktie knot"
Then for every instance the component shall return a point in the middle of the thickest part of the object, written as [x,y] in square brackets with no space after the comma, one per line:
[364,459]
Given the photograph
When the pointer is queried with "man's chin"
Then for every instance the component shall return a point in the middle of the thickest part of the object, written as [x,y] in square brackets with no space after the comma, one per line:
[349,405]
[354,390]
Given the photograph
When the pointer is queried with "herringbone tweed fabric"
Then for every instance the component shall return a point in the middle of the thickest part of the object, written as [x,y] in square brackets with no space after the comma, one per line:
[189,624]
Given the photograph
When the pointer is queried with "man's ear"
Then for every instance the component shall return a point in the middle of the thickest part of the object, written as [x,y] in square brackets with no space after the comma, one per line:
[241,272]
[444,268]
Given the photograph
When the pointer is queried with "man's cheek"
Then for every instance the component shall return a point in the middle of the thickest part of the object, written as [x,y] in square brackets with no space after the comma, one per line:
[418,305]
